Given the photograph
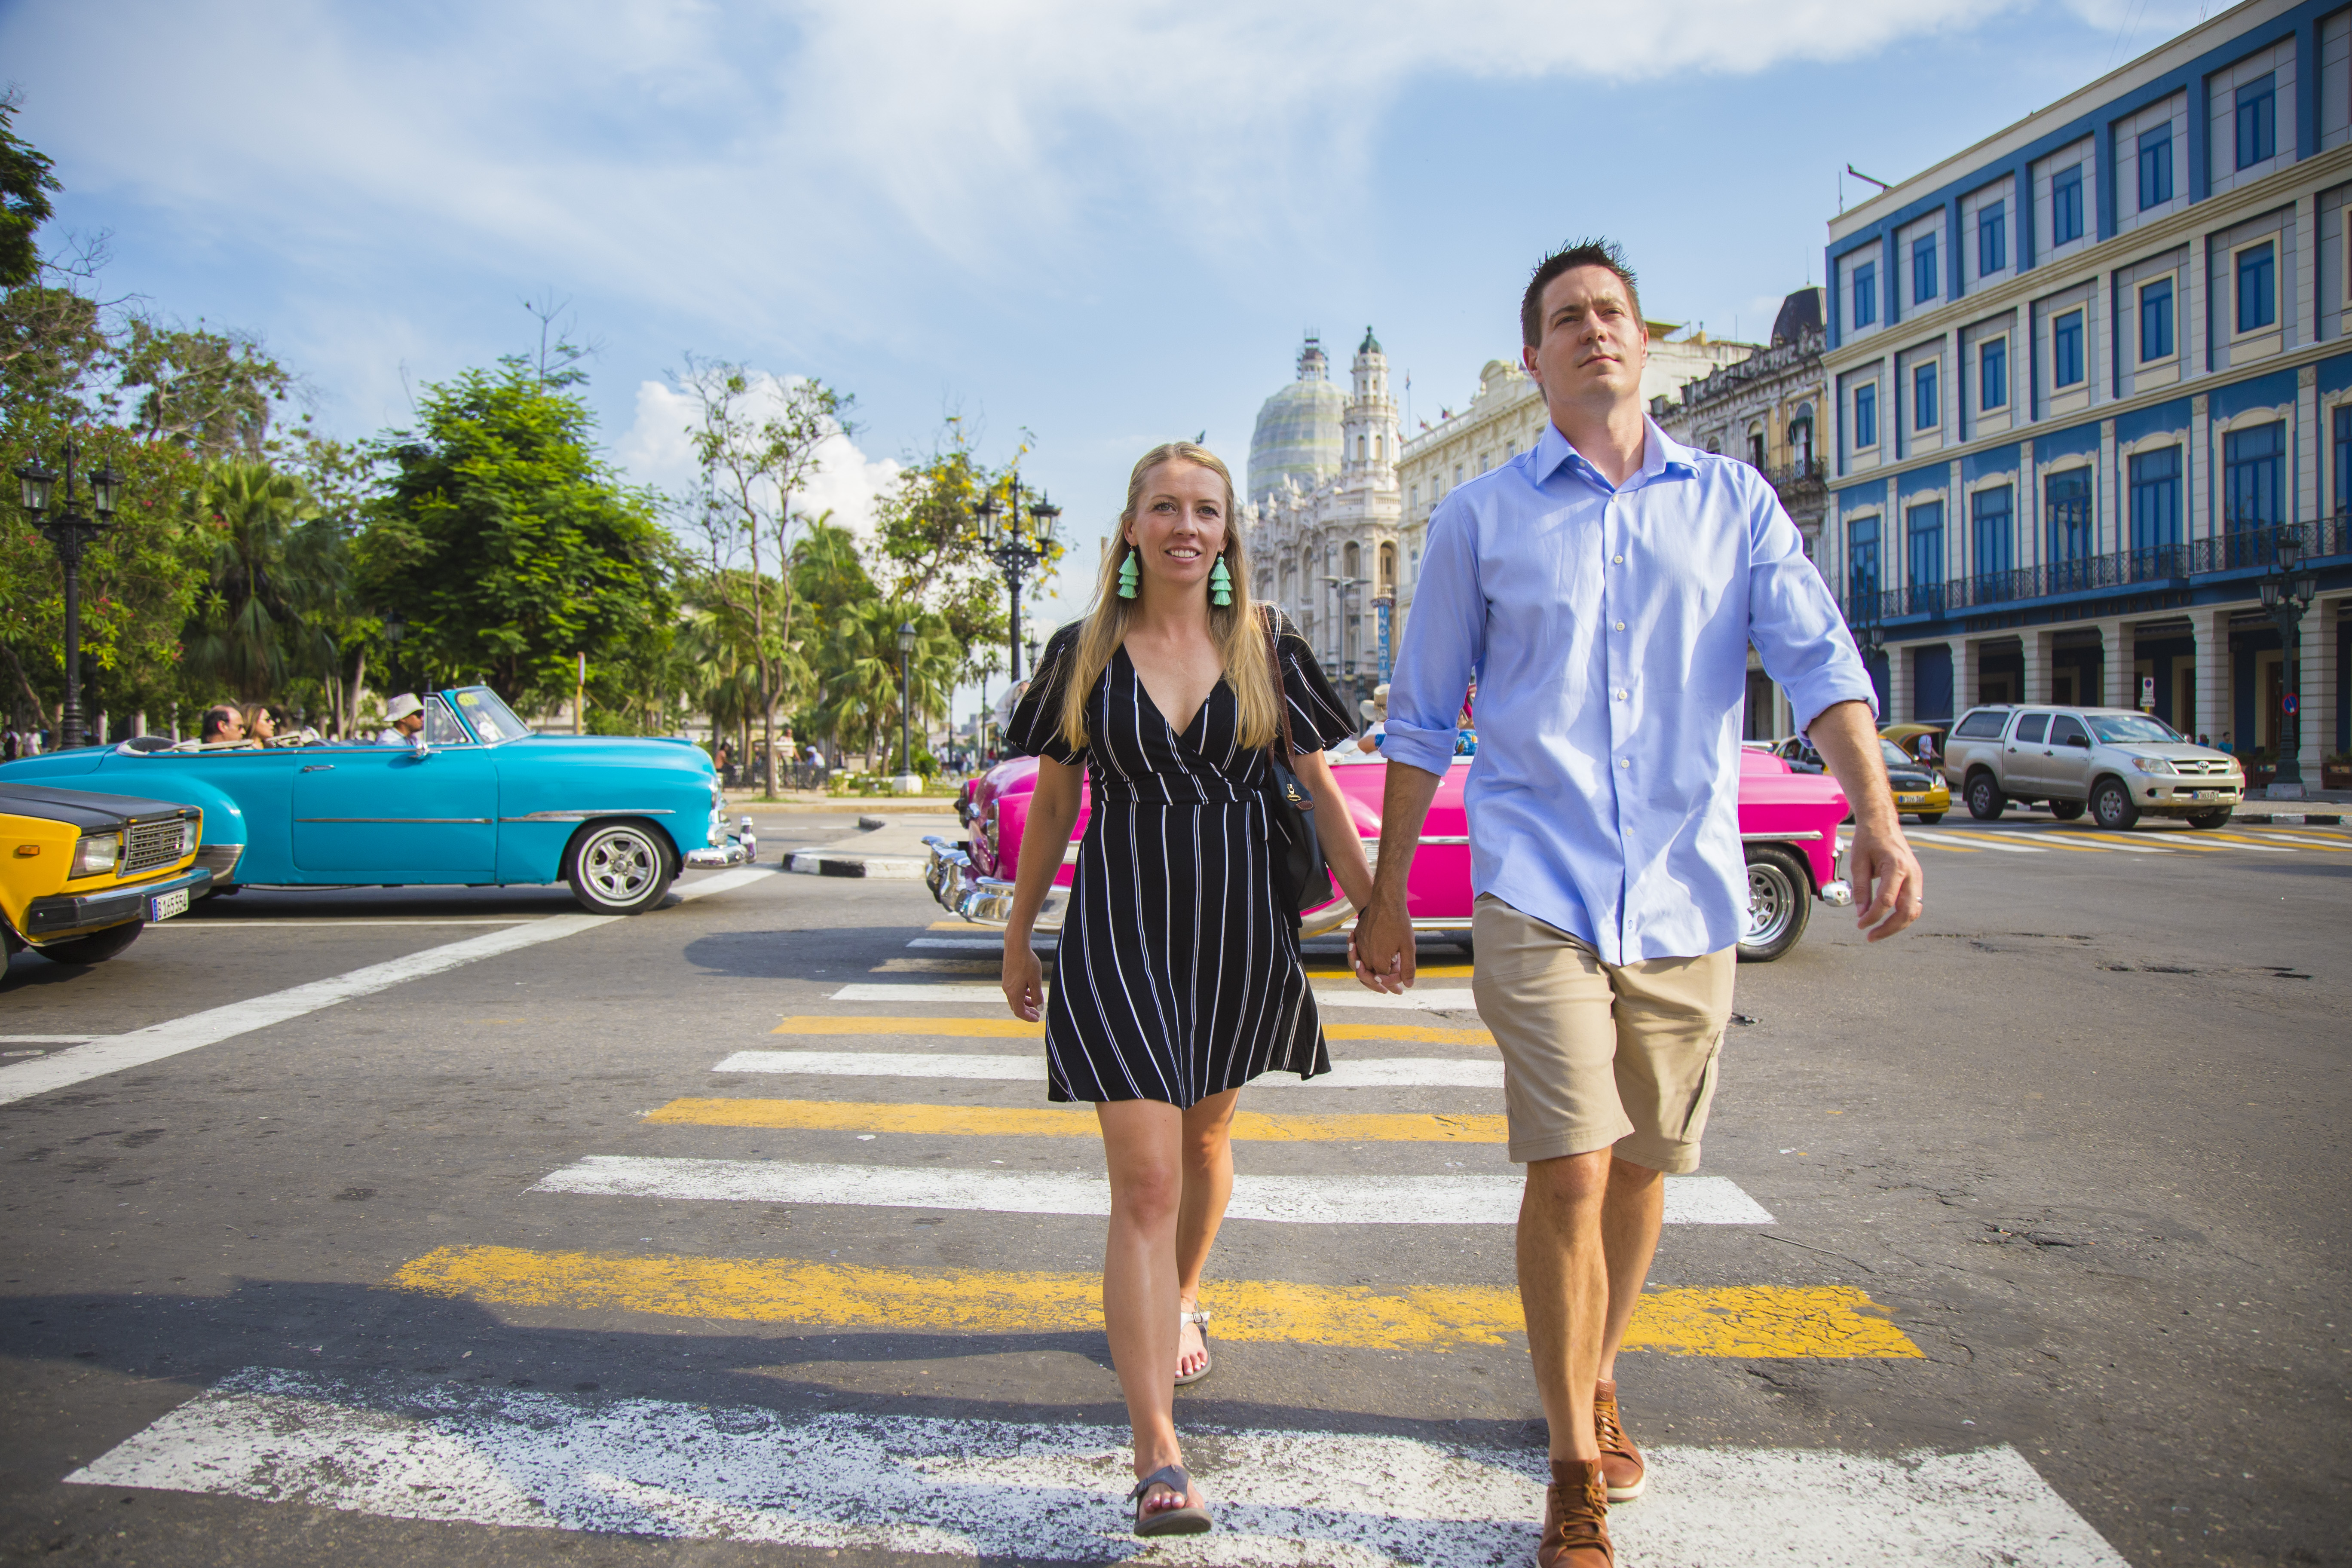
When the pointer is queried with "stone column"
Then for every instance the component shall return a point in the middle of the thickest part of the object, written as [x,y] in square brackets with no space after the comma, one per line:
[2316,703]
[2212,632]
[1965,684]
[2036,645]
[1901,678]
[2119,689]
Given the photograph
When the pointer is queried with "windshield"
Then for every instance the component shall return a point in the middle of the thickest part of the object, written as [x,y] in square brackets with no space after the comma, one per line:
[1897,757]
[492,720]
[2134,728]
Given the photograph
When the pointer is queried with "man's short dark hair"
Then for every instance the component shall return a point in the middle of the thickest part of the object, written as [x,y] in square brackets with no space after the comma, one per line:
[218,718]
[1595,252]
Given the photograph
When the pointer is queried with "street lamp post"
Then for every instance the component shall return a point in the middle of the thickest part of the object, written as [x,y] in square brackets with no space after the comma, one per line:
[70,532]
[2287,593]
[906,706]
[1017,550]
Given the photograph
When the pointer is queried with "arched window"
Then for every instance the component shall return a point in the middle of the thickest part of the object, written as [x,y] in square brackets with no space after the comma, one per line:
[1380,448]
[1387,584]
[1364,447]
[1353,559]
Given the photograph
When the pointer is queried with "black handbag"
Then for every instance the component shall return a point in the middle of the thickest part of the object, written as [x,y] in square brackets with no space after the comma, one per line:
[1301,880]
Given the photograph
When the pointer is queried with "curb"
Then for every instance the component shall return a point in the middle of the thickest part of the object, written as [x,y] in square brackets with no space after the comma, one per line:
[2292,818]
[820,863]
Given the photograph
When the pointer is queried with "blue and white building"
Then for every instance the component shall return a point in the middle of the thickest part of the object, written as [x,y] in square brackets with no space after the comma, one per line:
[2084,373]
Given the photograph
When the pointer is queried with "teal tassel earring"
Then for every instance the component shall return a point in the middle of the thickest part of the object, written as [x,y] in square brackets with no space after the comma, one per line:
[1127,577]
[1221,584]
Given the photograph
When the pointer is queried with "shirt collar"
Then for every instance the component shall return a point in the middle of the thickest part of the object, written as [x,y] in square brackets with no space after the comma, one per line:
[1661,456]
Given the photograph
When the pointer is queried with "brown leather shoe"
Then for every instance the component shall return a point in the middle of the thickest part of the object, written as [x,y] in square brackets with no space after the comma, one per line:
[1576,1518]
[1620,1462]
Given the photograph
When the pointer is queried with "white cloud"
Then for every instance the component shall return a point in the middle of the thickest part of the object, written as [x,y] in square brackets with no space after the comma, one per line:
[773,160]
[656,450]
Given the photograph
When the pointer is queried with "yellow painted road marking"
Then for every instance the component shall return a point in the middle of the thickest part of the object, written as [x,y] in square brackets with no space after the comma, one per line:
[1820,1320]
[848,1115]
[2245,843]
[1423,970]
[1015,1029]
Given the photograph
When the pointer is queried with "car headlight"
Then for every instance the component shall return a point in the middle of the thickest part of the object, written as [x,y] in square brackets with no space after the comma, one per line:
[2153,766]
[96,855]
[191,832]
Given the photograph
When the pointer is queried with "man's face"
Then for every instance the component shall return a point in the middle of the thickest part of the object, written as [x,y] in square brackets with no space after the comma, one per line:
[1594,345]
[409,724]
[232,727]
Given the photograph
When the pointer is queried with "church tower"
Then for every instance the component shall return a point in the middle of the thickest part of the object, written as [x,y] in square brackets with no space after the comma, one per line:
[1371,425]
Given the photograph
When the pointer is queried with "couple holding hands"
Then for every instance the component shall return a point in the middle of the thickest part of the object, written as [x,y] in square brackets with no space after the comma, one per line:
[1602,590]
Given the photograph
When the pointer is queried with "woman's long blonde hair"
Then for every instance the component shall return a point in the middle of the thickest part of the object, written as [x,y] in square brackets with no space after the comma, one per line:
[1238,629]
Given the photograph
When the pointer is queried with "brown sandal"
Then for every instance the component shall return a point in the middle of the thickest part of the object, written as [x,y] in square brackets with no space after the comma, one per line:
[1188,1520]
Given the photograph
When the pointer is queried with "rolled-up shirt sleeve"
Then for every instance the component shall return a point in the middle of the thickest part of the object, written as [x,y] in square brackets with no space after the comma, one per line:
[1793,621]
[1444,639]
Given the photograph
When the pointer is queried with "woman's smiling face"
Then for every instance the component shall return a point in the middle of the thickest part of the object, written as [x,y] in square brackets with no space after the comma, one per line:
[1180,529]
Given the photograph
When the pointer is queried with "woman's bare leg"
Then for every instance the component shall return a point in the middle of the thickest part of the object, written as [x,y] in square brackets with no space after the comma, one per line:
[1143,1148]
[1208,1188]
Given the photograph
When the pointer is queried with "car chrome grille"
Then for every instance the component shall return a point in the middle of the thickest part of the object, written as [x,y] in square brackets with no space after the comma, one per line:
[2201,767]
[149,844]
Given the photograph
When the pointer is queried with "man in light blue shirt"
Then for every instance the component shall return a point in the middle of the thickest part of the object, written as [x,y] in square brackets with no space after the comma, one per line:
[1602,591]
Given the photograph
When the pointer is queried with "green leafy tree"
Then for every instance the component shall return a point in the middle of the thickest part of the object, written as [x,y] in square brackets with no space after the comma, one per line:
[862,687]
[510,546]
[211,393]
[757,442]
[25,182]
[276,579]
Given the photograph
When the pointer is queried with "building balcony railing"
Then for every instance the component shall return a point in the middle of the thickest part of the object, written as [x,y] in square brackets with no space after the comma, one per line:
[1804,473]
[2239,550]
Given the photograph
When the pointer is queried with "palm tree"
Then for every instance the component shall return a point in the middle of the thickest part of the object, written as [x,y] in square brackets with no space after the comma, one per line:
[276,572]
[861,671]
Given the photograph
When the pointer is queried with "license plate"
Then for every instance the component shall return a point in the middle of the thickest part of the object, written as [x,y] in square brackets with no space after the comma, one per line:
[163,906]
[1909,799]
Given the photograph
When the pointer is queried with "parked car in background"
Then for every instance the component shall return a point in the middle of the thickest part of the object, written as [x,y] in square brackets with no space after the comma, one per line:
[1788,825]
[479,799]
[1922,742]
[81,874]
[2118,764]
[1920,790]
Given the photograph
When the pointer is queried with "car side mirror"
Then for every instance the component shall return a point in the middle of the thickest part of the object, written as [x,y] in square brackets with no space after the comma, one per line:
[2082,741]
[418,746]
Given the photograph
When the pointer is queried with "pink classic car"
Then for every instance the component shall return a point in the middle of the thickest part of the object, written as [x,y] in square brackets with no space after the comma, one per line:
[1789,821]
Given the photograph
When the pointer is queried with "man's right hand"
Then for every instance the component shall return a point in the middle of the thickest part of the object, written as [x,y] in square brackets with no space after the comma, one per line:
[1380,947]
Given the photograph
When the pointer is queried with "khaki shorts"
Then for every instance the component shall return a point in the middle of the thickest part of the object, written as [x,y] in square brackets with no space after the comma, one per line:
[1597,1056]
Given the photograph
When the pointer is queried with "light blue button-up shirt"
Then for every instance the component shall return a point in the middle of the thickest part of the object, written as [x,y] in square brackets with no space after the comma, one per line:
[1608,629]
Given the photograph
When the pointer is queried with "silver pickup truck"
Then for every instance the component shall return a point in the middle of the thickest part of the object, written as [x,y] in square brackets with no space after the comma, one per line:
[2117,762]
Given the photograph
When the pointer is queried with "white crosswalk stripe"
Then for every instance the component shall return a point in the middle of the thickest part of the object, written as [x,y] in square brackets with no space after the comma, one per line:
[1039,1491]
[1373,1072]
[1972,841]
[1459,1198]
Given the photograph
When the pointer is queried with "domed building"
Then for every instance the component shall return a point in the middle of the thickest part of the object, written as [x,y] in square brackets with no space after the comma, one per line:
[1324,509]
[1299,430]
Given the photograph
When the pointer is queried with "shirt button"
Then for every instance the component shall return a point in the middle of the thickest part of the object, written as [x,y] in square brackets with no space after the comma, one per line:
[1618,559]
[1621,696]
[1624,763]
[1620,625]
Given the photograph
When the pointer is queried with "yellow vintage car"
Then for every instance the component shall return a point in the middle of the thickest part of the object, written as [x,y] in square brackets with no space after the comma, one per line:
[82,874]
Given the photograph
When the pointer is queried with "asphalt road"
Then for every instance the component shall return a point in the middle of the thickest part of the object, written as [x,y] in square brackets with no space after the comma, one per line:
[491,1264]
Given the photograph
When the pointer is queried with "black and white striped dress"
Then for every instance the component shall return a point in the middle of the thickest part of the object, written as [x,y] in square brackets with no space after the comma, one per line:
[1176,977]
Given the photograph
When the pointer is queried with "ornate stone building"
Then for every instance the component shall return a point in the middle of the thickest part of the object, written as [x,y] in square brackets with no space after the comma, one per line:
[1324,509]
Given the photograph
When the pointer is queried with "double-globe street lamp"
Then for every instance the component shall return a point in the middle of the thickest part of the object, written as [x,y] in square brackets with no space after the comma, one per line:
[2287,593]
[70,531]
[1017,550]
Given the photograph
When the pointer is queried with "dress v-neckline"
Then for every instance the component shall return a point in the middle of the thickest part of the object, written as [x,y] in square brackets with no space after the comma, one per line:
[1144,692]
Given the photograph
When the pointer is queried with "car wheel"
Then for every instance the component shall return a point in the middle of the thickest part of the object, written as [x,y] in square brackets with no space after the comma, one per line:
[95,948]
[2219,818]
[619,867]
[1780,900]
[1985,800]
[2112,807]
[1929,819]
[2066,810]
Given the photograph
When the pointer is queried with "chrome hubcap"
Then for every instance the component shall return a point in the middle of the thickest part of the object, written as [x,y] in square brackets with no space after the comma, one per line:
[619,866]
[1771,905]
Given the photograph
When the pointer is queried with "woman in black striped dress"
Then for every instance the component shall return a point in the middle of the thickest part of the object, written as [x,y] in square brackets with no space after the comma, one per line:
[1176,980]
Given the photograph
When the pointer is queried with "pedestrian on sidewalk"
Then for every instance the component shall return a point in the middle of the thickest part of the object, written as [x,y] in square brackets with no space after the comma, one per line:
[1177,977]
[1604,589]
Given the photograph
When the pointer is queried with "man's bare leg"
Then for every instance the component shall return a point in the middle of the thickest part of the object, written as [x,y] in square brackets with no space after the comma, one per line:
[1564,1290]
[1632,1216]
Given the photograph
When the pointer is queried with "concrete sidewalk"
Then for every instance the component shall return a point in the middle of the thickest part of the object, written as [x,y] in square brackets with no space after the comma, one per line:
[889,846]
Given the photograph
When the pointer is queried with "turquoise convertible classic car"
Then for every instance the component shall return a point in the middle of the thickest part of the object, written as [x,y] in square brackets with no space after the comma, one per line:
[477,798]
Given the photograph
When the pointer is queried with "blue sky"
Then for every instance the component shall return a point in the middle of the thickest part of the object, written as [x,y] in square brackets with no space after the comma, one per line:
[1104,225]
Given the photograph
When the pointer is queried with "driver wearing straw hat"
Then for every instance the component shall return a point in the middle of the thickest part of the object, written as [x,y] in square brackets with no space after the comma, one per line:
[405,717]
